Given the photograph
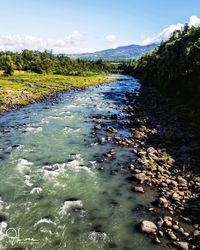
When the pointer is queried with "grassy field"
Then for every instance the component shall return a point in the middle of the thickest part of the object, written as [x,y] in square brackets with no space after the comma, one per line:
[25,88]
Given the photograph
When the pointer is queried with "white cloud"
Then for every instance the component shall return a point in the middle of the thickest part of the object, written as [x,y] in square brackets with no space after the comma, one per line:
[110,38]
[73,50]
[167,32]
[66,45]
[114,46]
[164,34]
[194,21]
[74,38]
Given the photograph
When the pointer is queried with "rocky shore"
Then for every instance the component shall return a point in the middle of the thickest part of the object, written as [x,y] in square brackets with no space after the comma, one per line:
[23,89]
[166,158]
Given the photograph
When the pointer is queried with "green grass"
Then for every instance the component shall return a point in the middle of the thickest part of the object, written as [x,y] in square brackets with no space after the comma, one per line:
[25,88]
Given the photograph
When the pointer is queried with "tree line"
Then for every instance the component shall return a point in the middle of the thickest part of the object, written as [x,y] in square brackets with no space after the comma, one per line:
[174,69]
[46,63]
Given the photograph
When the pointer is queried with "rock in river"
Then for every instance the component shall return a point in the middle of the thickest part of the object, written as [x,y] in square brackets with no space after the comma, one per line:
[102,140]
[138,135]
[162,202]
[157,240]
[148,227]
[140,177]
[171,234]
[111,130]
[182,245]
[97,127]
[139,189]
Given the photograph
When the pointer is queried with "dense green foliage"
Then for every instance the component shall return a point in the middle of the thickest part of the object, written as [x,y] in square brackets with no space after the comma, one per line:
[174,68]
[7,64]
[46,62]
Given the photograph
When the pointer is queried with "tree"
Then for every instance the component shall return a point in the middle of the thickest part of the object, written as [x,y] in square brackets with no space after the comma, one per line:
[8,65]
[174,68]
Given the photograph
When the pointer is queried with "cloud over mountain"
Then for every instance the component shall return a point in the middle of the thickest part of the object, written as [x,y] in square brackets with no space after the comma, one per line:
[167,32]
[110,38]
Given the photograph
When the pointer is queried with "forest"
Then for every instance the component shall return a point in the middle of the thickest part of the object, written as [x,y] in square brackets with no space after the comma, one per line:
[48,63]
[174,69]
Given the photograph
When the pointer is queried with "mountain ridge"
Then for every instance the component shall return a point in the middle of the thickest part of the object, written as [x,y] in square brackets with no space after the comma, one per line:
[120,53]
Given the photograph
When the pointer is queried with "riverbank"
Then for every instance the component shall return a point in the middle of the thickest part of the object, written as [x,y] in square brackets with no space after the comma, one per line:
[110,170]
[167,160]
[51,169]
[26,88]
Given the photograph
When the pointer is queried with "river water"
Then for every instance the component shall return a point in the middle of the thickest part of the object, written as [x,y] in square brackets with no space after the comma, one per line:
[55,194]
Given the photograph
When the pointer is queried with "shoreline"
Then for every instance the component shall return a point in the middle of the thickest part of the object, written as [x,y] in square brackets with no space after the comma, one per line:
[164,153]
[166,159]
[21,90]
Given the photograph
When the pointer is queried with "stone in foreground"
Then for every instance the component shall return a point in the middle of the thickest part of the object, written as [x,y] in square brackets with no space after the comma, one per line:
[148,227]
[182,245]
[139,189]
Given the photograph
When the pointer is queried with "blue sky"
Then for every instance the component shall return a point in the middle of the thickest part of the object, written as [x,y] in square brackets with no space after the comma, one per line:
[86,25]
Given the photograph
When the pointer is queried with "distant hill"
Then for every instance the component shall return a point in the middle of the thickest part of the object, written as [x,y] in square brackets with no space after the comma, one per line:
[119,54]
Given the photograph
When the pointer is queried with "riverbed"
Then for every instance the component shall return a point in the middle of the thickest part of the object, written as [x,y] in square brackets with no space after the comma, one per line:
[55,191]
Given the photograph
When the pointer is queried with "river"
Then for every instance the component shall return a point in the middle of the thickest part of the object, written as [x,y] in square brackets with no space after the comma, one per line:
[55,194]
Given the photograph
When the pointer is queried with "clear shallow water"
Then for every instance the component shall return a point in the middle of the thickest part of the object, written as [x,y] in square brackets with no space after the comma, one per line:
[50,183]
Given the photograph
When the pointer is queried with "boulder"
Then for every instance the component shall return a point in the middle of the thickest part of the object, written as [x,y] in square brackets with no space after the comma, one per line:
[148,227]
[162,202]
[196,233]
[140,177]
[171,234]
[151,150]
[182,245]
[157,240]
[97,127]
[102,140]
[181,181]
[175,227]
[160,222]
[168,223]
[139,189]
[138,135]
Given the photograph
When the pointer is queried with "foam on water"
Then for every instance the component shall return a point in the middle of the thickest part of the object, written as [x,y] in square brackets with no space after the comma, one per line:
[27,180]
[3,228]
[68,130]
[47,175]
[54,117]
[1,203]
[20,146]
[70,204]
[23,166]
[44,221]
[71,106]
[52,171]
[69,117]
[77,166]
[36,190]
[96,236]
[16,147]
[34,130]
[93,163]
[44,121]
